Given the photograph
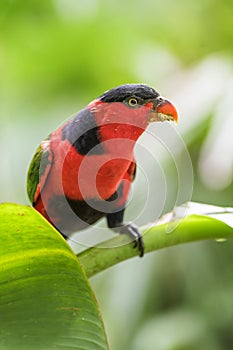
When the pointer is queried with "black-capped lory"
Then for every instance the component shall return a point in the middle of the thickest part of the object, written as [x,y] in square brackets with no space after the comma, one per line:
[83,171]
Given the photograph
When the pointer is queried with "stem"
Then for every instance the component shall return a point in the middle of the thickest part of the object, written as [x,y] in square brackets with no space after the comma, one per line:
[190,229]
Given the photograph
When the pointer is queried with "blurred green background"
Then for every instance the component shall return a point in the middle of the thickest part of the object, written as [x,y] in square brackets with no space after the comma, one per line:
[55,57]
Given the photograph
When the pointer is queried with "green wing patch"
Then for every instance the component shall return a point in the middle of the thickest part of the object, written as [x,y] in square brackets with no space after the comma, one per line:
[38,170]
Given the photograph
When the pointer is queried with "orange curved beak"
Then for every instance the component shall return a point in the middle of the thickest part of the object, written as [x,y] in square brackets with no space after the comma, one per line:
[163,110]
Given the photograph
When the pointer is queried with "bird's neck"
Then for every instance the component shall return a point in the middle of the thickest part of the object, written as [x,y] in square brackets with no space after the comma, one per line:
[120,138]
[119,127]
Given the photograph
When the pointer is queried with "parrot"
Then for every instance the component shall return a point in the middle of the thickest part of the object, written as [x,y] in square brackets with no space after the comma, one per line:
[83,170]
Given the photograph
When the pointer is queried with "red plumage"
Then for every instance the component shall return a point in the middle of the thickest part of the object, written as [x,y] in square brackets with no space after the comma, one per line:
[83,171]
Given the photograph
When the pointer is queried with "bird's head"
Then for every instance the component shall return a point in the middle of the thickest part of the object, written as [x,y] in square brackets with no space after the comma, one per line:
[126,111]
[137,99]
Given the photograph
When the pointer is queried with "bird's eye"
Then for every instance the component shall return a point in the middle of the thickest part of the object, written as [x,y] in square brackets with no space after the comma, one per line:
[133,102]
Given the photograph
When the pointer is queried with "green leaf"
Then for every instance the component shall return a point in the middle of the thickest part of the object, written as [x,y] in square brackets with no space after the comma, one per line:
[45,299]
[189,229]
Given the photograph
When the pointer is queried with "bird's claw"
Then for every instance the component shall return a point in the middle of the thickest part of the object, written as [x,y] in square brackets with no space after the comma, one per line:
[133,231]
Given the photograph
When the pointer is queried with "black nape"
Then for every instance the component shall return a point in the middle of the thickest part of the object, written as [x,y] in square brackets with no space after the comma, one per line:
[82,132]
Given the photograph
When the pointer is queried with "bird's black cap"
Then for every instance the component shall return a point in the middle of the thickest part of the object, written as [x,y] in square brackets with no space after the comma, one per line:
[119,94]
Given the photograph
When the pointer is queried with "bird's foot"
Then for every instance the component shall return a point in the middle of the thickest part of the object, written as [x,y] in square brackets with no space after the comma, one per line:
[134,232]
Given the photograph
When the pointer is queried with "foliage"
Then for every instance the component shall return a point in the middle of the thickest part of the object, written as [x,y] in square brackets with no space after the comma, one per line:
[189,229]
[46,300]
[43,282]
